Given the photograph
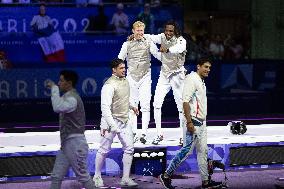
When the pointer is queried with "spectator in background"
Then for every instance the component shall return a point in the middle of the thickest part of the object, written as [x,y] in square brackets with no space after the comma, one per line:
[147,18]
[233,48]
[101,19]
[41,24]
[216,48]
[4,62]
[119,20]
[237,49]
[228,53]
[98,22]
[49,39]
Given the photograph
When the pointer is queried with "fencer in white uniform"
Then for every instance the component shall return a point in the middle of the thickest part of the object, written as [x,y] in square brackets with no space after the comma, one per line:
[172,74]
[137,53]
[115,108]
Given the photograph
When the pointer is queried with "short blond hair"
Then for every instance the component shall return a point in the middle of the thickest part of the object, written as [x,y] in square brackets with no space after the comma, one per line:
[138,24]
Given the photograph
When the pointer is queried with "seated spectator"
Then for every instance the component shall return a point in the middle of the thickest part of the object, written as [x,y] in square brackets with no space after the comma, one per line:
[49,38]
[147,18]
[237,49]
[216,47]
[4,62]
[120,21]
[41,24]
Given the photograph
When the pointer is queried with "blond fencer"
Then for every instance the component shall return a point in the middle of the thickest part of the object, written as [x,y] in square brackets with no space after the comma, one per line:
[137,51]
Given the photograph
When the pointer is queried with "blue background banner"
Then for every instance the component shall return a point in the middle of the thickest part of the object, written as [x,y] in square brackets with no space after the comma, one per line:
[232,78]
[30,83]
[76,19]
[243,88]
[23,49]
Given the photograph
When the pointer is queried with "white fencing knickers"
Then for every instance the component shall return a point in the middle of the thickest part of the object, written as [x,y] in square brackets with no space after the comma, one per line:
[164,85]
[140,92]
[125,135]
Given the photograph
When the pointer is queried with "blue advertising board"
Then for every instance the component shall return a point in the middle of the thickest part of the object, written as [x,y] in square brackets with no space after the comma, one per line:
[80,49]
[30,83]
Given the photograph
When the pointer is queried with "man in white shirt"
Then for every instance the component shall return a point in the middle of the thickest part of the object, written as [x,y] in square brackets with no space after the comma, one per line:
[172,74]
[41,21]
[137,52]
[49,39]
[195,111]
[120,20]
[115,108]
[74,148]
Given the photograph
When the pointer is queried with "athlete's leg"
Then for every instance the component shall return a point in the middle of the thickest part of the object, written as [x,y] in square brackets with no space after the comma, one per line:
[134,100]
[145,99]
[162,88]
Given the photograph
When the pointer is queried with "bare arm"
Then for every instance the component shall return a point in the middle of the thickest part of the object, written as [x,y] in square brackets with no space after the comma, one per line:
[189,124]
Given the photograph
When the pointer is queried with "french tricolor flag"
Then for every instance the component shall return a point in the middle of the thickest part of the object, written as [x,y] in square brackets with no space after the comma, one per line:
[52,45]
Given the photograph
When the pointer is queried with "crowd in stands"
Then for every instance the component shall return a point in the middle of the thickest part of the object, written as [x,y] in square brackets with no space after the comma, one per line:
[219,47]
[153,3]
[119,23]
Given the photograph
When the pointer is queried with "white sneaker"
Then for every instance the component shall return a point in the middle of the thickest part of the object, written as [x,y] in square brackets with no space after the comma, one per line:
[128,182]
[98,181]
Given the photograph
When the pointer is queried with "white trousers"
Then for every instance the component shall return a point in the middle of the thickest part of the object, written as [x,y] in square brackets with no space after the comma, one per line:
[140,93]
[164,85]
[125,135]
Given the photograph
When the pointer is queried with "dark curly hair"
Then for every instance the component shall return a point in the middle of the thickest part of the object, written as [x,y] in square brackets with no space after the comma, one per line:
[176,26]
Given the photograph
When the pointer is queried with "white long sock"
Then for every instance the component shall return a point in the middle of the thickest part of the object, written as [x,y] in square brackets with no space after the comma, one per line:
[145,122]
[100,160]
[157,117]
[127,162]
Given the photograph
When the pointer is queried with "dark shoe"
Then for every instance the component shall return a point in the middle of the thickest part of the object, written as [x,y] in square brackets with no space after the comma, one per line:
[212,184]
[180,142]
[143,139]
[157,140]
[166,182]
